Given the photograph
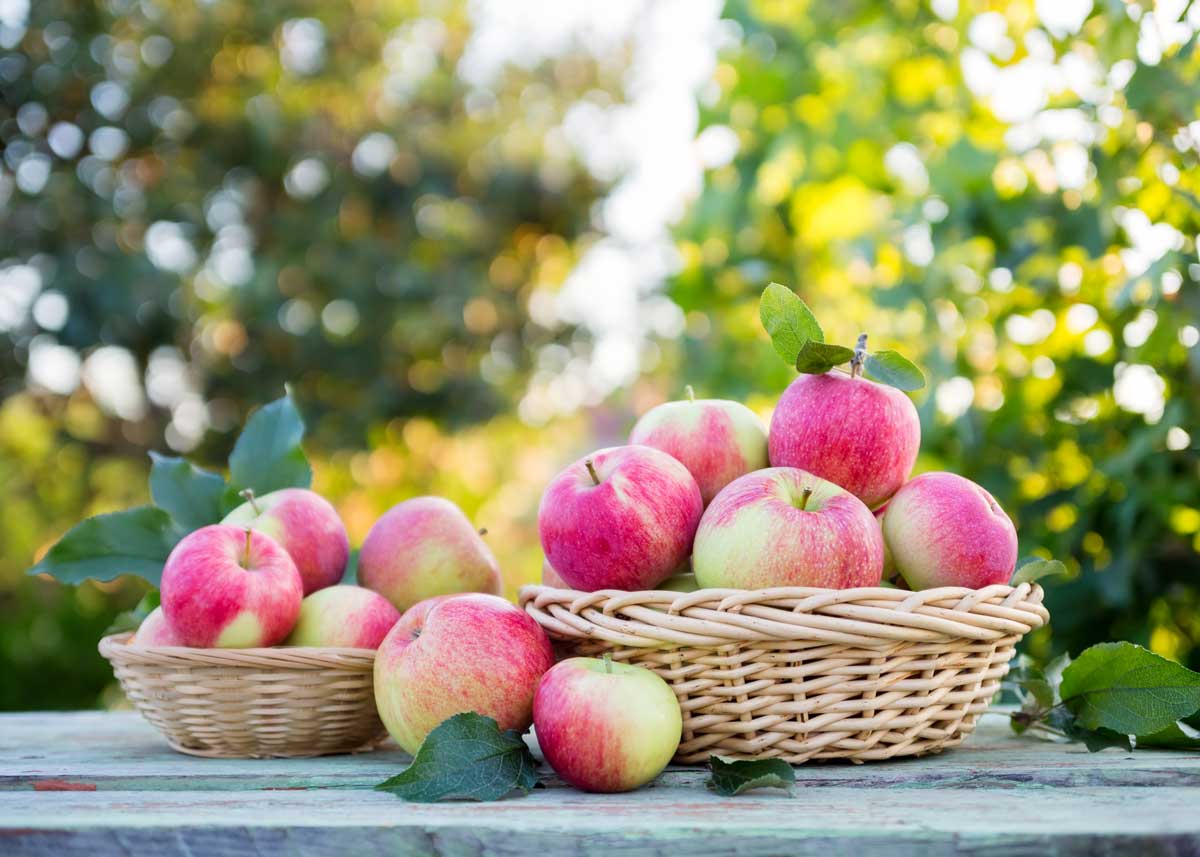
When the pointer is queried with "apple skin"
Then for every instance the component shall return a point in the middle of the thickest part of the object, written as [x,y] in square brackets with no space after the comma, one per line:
[853,432]
[630,531]
[456,653]
[681,581]
[755,536]
[216,593]
[307,526]
[715,439]
[606,726]
[944,530]
[425,547]
[343,616]
[550,577]
[155,630]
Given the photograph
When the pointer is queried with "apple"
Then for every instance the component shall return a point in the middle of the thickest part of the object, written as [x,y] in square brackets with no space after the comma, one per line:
[606,726]
[857,434]
[456,653]
[944,530]
[550,577]
[785,527]
[155,630]
[715,439]
[343,616]
[425,547]
[621,518]
[681,581]
[231,588]
[305,525]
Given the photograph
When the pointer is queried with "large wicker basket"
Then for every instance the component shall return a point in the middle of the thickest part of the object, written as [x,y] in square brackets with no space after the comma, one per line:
[799,674]
[252,703]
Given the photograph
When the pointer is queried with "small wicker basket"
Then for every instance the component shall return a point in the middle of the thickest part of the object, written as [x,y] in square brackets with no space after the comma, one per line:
[252,703]
[799,674]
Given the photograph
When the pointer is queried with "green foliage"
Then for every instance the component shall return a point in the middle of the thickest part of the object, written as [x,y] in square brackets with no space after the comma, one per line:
[733,776]
[268,455]
[1036,569]
[134,541]
[191,496]
[129,620]
[895,370]
[788,321]
[816,358]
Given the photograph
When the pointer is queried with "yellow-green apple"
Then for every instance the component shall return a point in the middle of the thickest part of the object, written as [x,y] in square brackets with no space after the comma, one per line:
[852,431]
[944,530]
[155,630]
[605,726]
[231,588]
[621,518]
[306,526]
[425,547]
[715,439]
[784,527]
[344,616]
[456,653]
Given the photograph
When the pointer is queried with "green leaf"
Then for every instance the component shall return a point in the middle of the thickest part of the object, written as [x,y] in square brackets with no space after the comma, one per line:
[895,370]
[130,620]
[466,757]
[817,358]
[350,575]
[267,455]
[136,541]
[190,495]
[1180,735]
[733,776]
[1128,689]
[1065,721]
[1036,569]
[788,320]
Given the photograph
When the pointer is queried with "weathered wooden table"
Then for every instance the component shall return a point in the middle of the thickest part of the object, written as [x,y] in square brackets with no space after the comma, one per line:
[99,784]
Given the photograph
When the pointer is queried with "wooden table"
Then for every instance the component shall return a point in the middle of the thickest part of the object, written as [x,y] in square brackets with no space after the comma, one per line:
[100,784]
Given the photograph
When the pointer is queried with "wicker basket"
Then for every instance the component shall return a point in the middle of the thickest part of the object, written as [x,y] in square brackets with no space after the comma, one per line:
[799,674]
[252,703]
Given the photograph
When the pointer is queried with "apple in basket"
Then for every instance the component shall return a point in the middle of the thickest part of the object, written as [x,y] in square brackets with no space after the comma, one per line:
[155,630]
[343,616]
[682,581]
[785,527]
[455,653]
[715,439]
[944,530]
[605,726]
[424,547]
[230,587]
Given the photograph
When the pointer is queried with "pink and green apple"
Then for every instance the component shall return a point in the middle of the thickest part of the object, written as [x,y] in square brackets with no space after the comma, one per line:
[715,439]
[155,630]
[457,653]
[306,526]
[851,431]
[621,518]
[232,588]
[605,726]
[944,530]
[681,581]
[785,527]
[425,547]
[343,616]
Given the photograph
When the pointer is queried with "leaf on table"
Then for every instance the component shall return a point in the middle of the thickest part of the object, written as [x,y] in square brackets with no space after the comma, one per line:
[267,455]
[733,776]
[191,496]
[135,541]
[1064,721]
[466,757]
[817,358]
[1180,735]
[1036,569]
[895,370]
[131,620]
[788,321]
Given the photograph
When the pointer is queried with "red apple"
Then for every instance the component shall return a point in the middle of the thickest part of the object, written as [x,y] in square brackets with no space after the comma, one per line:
[944,530]
[447,655]
[550,577]
[344,616]
[785,527]
[231,588]
[605,726]
[306,526]
[715,439]
[425,547]
[622,518]
[857,434]
[155,630]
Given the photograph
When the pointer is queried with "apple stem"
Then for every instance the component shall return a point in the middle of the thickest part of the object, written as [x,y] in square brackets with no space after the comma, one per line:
[860,356]
[248,495]
[804,497]
[246,557]
[691,392]
[608,663]
[591,469]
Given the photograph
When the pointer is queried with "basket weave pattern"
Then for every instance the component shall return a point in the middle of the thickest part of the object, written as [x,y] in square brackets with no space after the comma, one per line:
[239,703]
[799,674]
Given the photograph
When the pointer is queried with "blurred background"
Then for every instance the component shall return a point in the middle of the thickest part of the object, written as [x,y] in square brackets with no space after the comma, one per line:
[479,238]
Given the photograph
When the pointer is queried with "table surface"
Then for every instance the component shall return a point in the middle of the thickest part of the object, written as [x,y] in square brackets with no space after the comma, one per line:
[99,783]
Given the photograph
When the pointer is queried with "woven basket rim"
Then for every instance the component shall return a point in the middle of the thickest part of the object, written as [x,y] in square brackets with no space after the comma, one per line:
[115,647]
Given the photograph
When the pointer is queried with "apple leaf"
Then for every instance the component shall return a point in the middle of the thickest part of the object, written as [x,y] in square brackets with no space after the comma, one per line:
[190,495]
[267,455]
[1036,569]
[895,370]
[131,620]
[466,757]
[817,358]
[1180,735]
[135,541]
[350,575]
[788,321]
[733,776]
